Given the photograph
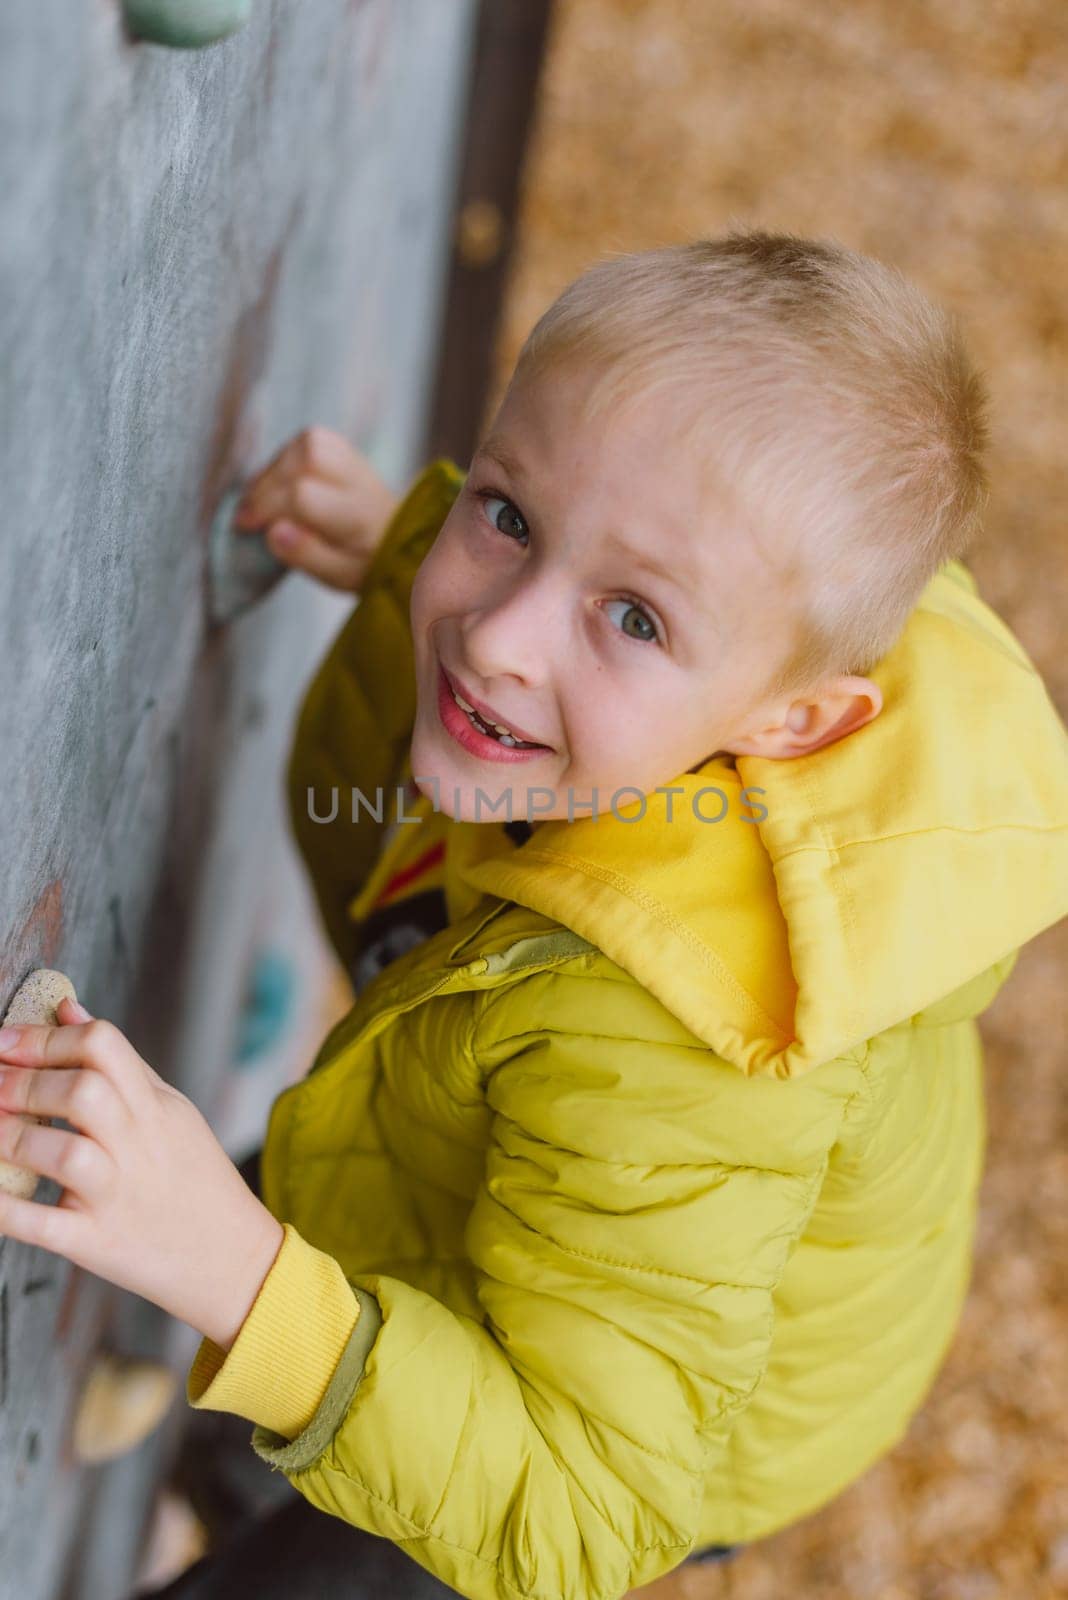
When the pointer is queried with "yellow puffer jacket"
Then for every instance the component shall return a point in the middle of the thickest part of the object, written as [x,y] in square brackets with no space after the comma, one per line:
[632,1211]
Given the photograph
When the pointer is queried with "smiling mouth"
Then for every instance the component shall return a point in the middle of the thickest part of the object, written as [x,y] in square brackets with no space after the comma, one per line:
[492,730]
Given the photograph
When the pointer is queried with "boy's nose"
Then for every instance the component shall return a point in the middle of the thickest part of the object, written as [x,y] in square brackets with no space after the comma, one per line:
[516,638]
[500,676]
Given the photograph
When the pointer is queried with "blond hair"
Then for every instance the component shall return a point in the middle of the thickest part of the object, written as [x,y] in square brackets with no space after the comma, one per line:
[831,396]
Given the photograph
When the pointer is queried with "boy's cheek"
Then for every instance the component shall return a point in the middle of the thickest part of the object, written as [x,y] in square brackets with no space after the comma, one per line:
[439,588]
[419,602]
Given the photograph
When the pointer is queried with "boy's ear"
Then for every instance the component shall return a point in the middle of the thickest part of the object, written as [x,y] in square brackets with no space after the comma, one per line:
[797,727]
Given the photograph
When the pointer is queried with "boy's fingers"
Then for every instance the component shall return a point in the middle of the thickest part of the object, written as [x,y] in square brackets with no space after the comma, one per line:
[39,1045]
[299,547]
[264,484]
[53,1228]
[321,507]
[76,1012]
[327,454]
[75,1163]
[96,1044]
[86,1099]
[325,509]
[315,453]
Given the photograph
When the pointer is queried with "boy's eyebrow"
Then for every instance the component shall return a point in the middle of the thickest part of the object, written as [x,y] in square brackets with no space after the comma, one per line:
[502,455]
[638,558]
[636,555]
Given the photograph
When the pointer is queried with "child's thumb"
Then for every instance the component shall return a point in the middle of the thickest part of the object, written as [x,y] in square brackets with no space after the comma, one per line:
[77,1011]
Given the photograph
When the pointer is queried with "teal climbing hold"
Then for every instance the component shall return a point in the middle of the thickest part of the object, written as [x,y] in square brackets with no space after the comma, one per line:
[242,568]
[268,1008]
[185,24]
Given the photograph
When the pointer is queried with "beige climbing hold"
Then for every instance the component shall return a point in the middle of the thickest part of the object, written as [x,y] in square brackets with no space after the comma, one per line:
[124,1400]
[35,1000]
[176,1539]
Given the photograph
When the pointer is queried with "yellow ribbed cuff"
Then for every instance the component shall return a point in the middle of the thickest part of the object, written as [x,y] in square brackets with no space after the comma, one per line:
[288,1347]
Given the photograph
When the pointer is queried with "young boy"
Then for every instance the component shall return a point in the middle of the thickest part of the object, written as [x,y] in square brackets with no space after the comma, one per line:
[630,1211]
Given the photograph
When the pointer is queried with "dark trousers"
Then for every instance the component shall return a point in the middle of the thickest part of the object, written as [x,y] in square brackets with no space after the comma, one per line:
[300,1553]
[272,1544]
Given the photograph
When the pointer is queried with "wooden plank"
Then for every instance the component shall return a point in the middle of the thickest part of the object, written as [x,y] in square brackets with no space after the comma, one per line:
[509,52]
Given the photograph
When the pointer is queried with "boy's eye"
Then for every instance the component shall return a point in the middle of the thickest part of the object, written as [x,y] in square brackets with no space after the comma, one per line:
[504,516]
[632,608]
[507,519]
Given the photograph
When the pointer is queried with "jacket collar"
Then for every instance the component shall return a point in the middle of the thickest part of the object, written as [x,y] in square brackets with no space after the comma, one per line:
[901,865]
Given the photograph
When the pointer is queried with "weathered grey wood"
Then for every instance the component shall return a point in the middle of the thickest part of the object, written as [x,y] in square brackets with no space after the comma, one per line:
[200,253]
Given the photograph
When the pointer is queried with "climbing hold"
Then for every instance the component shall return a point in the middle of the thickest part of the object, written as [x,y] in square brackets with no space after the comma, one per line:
[268,1007]
[124,1400]
[35,1000]
[185,24]
[242,568]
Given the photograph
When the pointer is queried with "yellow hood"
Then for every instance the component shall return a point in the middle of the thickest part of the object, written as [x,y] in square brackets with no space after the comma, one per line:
[894,872]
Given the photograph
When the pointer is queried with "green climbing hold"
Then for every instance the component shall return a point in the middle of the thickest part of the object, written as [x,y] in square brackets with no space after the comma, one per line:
[185,24]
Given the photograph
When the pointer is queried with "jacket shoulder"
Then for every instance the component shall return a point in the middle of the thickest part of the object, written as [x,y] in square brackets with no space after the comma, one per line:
[415,524]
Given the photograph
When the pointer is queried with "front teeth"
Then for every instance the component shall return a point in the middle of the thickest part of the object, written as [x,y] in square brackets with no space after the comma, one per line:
[506,737]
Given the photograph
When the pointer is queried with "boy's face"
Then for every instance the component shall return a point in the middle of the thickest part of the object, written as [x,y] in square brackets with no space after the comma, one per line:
[539,600]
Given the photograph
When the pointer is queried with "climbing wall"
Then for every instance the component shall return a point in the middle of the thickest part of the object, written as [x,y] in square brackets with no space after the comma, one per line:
[203,250]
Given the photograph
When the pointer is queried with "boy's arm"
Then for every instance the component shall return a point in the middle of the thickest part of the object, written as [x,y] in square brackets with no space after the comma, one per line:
[355,722]
[625,1245]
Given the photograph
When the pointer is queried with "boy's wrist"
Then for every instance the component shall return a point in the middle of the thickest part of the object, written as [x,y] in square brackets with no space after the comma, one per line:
[255,1246]
[384,514]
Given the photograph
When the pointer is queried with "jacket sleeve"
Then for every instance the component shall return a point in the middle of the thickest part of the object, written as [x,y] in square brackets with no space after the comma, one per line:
[356,717]
[640,1200]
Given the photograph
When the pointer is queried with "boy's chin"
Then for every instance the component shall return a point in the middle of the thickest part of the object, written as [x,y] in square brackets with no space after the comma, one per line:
[484,802]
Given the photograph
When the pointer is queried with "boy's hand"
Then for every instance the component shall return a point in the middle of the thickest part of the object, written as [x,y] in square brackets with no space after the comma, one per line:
[153,1203]
[323,506]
